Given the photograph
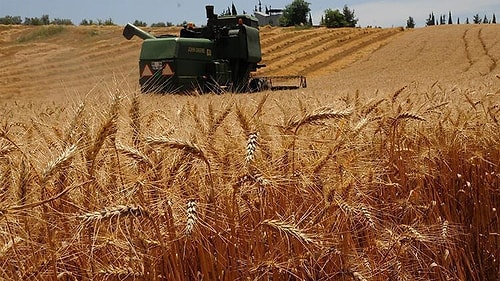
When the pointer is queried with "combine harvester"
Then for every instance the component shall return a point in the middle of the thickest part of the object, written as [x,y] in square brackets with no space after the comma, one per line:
[219,57]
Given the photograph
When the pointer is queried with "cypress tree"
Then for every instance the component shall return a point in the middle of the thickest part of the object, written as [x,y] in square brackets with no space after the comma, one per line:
[449,18]
[494,20]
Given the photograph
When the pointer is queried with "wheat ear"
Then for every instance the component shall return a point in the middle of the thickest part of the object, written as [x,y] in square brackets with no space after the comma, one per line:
[135,119]
[114,212]
[324,113]
[251,147]
[134,154]
[289,230]
[185,146]
[409,115]
[59,163]
[6,150]
[191,216]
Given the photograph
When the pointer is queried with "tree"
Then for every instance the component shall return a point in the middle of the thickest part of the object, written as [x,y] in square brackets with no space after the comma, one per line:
[349,17]
[140,23]
[467,20]
[442,20]
[295,13]
[450,21]
[494,20]
[485,19]
[458,20]
[333,18]
[45,20]
[431,20]
[58,21]
[410,23]
[476,19]
[11,20]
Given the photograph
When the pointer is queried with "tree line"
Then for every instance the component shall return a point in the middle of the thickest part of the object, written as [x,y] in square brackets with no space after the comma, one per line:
[448,19]
[299,13]
[45,20]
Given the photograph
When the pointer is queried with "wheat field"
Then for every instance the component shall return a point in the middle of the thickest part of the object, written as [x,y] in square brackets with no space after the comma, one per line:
[352,178]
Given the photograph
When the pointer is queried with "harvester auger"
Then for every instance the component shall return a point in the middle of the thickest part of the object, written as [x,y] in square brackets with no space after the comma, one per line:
[219,57]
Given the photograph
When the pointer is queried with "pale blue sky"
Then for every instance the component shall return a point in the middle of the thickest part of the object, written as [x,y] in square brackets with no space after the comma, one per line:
[385,13]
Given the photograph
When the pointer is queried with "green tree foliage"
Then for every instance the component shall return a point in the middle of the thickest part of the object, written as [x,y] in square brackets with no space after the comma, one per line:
[158,24]
[139,23]
[431,20]
[98,22]
[410,23]
[476,19]
[8,20]
[295,13]
[450,21]
[349,17]
[335,18]
[57,21]
[494,20]
[485,19]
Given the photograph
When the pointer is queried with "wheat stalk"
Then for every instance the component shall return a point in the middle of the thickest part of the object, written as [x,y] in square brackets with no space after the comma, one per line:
[243,120]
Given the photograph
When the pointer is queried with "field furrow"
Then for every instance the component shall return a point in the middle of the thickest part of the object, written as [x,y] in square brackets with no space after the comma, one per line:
[317,52]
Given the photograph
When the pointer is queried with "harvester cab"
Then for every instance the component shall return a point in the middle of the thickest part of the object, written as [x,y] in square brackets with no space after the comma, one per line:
[218,57]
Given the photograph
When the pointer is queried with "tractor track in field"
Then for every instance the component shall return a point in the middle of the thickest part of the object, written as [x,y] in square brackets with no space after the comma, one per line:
[316,52]
[478,53]
[296,47]
[282,46]
[347,53]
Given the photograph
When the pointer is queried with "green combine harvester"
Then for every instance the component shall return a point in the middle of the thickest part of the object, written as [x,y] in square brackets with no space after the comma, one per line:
[219,57]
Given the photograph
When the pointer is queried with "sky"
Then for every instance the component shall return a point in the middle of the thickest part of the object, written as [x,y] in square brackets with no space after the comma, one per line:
[384,13]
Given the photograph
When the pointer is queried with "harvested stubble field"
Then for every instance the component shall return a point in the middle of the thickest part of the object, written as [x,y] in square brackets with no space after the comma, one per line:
[385,168]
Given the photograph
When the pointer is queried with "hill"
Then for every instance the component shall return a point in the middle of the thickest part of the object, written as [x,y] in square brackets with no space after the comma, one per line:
[36,61]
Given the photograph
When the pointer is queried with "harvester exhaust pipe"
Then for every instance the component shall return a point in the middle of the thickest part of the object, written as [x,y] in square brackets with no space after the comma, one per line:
[130,30]
[210,11]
